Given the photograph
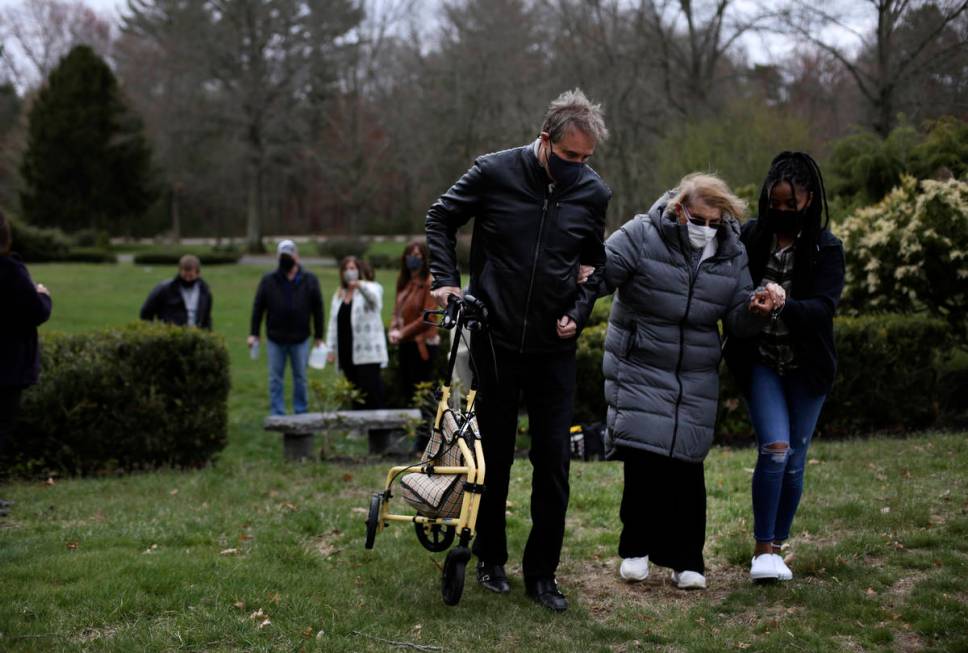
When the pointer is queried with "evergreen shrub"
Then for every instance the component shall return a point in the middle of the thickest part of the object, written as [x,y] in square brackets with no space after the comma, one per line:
[137,397]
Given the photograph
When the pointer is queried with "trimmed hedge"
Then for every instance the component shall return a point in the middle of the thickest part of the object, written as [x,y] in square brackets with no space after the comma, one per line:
[138,397]
[38,245]
[888,378]
[90,255]
[172,258]
[342,246]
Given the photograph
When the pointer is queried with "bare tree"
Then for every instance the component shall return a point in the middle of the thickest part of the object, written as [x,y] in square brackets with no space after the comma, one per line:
[36,34]
[889,57]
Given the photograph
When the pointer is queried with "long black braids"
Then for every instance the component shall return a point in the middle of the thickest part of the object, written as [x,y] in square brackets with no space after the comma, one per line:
[800,170]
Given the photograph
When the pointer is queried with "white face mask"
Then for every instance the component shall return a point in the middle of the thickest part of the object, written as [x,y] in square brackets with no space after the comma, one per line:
[700,235]
[349,276]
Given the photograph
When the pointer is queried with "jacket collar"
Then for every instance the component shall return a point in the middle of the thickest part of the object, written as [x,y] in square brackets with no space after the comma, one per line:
[676,235]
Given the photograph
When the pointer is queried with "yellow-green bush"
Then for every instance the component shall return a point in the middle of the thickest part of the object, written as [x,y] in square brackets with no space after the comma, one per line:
[909,252]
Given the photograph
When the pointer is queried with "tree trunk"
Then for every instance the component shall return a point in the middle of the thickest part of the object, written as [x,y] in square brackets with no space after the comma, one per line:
[253,224]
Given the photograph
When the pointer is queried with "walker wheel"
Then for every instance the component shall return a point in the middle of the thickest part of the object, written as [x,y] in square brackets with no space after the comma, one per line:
[452,582]
[435,537]
[373,519]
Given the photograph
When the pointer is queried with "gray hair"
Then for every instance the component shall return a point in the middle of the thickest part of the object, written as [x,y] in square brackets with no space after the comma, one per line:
[189,262]
[573,109]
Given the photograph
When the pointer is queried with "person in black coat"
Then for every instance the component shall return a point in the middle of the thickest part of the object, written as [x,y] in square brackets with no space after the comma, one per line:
[185,300]
[290,299]
[787,369]
[539,215]
[25,306]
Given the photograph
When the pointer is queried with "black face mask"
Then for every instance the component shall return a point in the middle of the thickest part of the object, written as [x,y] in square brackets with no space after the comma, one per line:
[565,173]
[785,222]
[286,263]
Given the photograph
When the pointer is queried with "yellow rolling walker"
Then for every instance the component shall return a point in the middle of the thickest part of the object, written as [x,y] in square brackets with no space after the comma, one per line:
[445,487]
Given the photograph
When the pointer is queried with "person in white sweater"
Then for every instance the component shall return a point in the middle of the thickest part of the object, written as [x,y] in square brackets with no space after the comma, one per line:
[356,335]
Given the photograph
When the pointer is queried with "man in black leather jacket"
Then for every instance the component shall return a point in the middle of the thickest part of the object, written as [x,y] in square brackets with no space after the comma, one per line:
[539,216]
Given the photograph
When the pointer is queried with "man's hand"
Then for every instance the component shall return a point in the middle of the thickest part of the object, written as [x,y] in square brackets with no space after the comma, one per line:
[584,271]
[394,336]
[441,294]
[330,357]
[42,289]
[566,327]
[252,340]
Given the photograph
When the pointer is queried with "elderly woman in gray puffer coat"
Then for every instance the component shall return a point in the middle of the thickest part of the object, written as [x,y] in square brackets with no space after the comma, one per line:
[677,271]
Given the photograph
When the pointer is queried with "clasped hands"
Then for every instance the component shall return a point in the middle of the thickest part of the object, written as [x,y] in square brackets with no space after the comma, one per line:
[767,299]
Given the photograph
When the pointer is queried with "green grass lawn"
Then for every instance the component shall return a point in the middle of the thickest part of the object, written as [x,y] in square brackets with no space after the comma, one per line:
[255,554]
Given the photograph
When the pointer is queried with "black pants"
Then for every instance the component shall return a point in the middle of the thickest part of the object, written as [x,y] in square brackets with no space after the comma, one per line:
[663,511]
[368,380]
[9,408]
[414,370]
[547,383]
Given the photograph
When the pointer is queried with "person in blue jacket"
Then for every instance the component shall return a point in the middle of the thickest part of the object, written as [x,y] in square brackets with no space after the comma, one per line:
[787,369]
[25,306]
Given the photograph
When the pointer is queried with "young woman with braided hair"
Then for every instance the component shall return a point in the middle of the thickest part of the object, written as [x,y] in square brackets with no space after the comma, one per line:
[787,369]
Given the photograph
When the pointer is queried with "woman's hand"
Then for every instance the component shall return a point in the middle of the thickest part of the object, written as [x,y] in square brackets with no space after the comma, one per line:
[761,302]
[778,294]
[394,336]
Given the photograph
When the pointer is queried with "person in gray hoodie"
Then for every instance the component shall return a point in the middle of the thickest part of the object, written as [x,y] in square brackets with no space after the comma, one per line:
[676,271]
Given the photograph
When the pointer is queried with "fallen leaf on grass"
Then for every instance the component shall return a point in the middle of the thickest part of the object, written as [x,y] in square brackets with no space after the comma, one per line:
[360,511]
[885,510]
[813,461]
[72,546]
[308,632]
[347,477]
[319,635]
[174,492]
[239,604]
[261,617]
[50,481]
[937,519]
[150,549]
[275,597]
[245,537]
[871,592]
[416,630]
[228,552]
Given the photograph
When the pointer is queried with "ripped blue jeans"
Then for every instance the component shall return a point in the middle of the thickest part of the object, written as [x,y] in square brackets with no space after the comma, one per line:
[784,414]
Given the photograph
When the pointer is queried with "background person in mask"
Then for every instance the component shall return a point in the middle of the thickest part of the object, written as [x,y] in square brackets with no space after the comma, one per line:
[787,368]
[185,300]
[539,213]
[290,299]
[356,337]
[418,341]
[677,271]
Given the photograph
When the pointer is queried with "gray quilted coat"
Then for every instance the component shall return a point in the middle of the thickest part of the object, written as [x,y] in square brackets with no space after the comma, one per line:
[662,348]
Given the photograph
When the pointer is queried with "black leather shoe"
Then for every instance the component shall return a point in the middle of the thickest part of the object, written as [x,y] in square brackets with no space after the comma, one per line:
[492,577]
[545,591]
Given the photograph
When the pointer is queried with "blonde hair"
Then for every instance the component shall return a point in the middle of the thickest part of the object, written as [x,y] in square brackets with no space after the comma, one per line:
[710,189]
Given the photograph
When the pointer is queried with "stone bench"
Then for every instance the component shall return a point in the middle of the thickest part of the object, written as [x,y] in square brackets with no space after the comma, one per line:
[298,430]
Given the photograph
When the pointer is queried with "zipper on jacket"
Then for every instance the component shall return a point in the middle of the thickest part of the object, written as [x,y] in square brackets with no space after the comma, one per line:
[682,347]
[534,267]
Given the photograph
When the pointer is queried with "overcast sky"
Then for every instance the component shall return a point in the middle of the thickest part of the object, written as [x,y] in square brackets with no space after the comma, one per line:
[759,48]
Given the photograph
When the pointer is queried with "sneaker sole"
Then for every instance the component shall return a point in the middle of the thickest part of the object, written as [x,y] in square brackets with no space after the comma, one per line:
[632,579]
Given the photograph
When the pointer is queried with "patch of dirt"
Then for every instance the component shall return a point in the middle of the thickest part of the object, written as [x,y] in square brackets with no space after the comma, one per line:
[847,643]
[326,545]
[907,641]
[901,589]
[92,634]
[602,591]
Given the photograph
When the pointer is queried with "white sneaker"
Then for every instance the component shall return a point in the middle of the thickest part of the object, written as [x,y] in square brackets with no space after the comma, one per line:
[689,580]
[783,572]
[634,569]
[764,567]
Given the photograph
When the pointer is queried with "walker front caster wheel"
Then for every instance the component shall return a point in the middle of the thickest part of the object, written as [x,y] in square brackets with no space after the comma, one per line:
[435,537]
[452,582]
[373,519]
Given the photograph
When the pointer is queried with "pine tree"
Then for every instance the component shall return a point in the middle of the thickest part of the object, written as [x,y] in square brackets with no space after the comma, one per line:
[87,163]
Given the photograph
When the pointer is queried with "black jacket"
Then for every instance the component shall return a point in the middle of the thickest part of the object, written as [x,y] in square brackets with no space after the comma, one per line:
[288,306]
[529,238]
[818,281]
[23,310]
[165,303]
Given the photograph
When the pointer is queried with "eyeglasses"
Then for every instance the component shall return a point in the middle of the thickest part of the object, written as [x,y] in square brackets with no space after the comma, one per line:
[700,221]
